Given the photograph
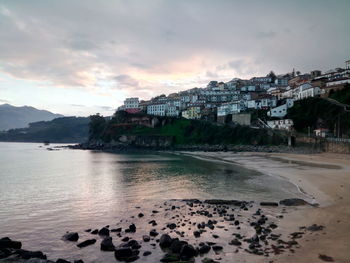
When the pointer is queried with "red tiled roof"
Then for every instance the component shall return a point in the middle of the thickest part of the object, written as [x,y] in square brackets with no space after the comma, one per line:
[132,111]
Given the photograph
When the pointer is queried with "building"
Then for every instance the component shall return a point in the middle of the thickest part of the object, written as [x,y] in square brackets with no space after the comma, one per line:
[305,91]
[285,124]
[231,108]
[192,113]
[279,111]
[131,103]
[157,109]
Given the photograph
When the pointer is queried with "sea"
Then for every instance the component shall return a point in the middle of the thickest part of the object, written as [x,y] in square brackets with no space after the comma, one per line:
[46,190]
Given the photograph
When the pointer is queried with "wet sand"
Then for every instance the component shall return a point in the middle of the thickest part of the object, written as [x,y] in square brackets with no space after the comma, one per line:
[325,178]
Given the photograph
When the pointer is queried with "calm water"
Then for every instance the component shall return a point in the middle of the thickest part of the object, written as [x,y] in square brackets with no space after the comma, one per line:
[45,193]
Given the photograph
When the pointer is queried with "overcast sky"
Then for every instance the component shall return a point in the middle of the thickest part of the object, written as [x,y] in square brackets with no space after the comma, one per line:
[82,57]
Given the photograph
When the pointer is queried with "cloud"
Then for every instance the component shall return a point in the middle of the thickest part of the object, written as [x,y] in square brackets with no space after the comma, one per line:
[4,101]
[165,46]
[126,80]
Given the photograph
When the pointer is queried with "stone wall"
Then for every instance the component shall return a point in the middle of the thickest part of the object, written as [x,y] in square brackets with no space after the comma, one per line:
[323,144]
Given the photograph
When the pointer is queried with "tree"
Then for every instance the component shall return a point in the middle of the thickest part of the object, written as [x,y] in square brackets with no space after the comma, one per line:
[272,75]
[97,126]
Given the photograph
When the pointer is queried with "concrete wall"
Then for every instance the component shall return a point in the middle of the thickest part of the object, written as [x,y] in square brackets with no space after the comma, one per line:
[242,118]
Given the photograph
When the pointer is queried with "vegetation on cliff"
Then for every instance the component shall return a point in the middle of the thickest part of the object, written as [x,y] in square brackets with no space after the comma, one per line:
[65,129]
[183,131]
[313,113]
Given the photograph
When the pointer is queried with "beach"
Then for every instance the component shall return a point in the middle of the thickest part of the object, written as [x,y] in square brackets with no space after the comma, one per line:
[323,177]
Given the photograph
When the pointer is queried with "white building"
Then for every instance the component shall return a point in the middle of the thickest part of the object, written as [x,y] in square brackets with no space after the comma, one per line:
[279,111]
[158,109]
[230,108]
[131,103]
[286,124]
[305,91]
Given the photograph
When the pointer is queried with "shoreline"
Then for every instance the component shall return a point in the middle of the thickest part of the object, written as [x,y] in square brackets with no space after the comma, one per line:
[324,176]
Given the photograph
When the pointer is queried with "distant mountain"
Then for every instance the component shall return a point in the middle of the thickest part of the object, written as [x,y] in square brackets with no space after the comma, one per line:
[61,130]
[12,117]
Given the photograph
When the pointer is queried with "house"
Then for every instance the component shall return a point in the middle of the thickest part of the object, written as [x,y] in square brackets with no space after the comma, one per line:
[321,132]
[279,111]
[131,103]
[192,113]
[230,108]
[157,109]
[285,124]
[305,91]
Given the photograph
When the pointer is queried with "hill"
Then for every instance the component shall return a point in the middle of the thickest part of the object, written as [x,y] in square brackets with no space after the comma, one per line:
[12,117]
[60,130]
[182,131]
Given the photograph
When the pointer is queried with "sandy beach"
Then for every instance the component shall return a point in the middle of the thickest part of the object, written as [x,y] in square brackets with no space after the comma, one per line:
[325,178]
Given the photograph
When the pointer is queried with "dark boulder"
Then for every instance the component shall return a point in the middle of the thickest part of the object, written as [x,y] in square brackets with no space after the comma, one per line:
[269,204]
[204,249]
[293,202]
[146,238]
[153,233]
[170,258]
[187,252]
[86,243]
[71,236]
[33,254]
[147,253]
[6,242]
[60,260]
[104,231]
[165,241]
[132,228]
[107,244]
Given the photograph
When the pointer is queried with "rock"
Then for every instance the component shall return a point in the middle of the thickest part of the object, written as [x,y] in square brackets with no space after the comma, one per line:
[209,260]
[107,244]
[171,226]
[132,228]
[235,242]
[125,239]
[197,234]
[170,258]
[224,202]
[78,261]
[268,204]
[325,258]
[147,253]
[123,252]
[134,244]
[217,247]
[146,238]
[116,230]
[315,227]
[6,242]
[153,233]
[177,245]
[86,243]
[60,260]
[71,236]
[204,249]
[215,236]
[94,232]
[187,252]
[33,254]
[104,231]
[141,215]
[165,241]
[293,202]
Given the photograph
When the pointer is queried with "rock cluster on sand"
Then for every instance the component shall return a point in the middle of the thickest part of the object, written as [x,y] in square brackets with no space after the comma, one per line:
[185,229]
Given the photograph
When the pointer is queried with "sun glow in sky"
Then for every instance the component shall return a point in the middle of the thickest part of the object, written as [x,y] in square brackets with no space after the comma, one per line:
[82,57]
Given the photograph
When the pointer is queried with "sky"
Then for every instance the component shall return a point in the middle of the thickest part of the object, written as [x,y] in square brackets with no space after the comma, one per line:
[83,57]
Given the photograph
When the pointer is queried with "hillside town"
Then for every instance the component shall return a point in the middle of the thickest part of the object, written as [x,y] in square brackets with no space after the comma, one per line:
[235,100]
